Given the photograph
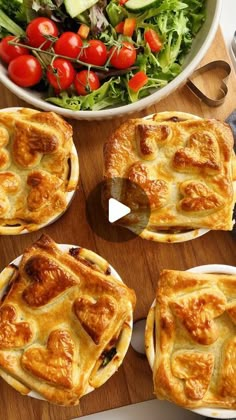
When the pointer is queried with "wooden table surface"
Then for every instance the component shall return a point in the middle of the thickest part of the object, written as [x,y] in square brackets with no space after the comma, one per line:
[137,261]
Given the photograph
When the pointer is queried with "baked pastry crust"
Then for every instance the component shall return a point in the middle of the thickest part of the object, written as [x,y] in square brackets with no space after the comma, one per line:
[185,165]
[65,322]
[36,174]
[191,339]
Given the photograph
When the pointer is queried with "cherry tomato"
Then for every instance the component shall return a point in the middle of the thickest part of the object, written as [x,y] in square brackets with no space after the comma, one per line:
[86,81]
[9,52]
[61,74]
[153,40]
[25,70]
[38,29]
[124,57]
[95,53]
[69,44]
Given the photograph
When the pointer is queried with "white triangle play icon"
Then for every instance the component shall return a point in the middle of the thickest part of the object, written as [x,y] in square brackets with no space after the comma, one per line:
[116,210]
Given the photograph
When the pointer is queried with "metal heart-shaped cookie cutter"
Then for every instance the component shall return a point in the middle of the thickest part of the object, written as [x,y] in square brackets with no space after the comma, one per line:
[219,64]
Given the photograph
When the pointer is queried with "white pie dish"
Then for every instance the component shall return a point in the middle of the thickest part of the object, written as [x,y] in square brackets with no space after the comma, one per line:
[73,180]
[219,413]
[125,336]
[112,164]
[199,48]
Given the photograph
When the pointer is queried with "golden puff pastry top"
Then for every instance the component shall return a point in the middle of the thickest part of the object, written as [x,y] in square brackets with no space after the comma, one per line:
[35,148]
[195,339]
[65,322]
[185,167]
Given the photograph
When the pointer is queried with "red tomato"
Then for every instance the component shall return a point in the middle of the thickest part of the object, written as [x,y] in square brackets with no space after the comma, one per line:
[38,29]
[61,74]
[138,81]
[86,81]
[95,53]
[124,57]
[69,44]
[25,70]
[153,40]
[9,52]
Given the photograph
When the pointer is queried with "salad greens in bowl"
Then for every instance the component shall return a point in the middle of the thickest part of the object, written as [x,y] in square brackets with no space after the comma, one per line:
[95,59]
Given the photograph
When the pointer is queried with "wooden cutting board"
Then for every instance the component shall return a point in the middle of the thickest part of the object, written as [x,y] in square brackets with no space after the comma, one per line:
[137,261]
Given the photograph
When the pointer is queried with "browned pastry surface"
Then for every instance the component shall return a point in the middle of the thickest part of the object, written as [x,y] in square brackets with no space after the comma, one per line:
[185,166]
[60,320]
[35,149]
[195,339]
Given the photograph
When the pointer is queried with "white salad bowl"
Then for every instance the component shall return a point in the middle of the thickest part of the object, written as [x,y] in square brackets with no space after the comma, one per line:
[199,48]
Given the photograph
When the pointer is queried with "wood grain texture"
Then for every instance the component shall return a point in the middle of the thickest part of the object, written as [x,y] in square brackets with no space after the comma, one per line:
[137,261]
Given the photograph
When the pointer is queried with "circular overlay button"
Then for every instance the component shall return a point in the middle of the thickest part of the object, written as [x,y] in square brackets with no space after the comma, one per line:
[118,210]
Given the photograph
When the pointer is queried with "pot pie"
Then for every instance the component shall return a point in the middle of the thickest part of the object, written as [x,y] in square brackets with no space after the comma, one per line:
[66,322]
[38,169]
[184,164]
[190,339]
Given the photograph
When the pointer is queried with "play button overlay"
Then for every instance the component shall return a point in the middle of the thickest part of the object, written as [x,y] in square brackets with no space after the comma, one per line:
[117,210]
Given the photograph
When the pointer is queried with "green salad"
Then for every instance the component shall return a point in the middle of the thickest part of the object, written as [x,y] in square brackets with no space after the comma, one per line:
[94,54]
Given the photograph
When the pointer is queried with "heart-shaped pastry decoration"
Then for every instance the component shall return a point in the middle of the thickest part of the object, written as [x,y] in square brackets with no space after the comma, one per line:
[30,142]
[218,69]
[148,137]
[95,316]
[47,279]
[42,187]
[200,153]
[13,334]
[198,197]
[196,369]
[156,190]
[197,313]
[59,125]
[53,364]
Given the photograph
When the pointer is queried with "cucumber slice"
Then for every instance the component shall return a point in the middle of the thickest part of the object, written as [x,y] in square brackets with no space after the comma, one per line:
[137,6]
[75,7]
